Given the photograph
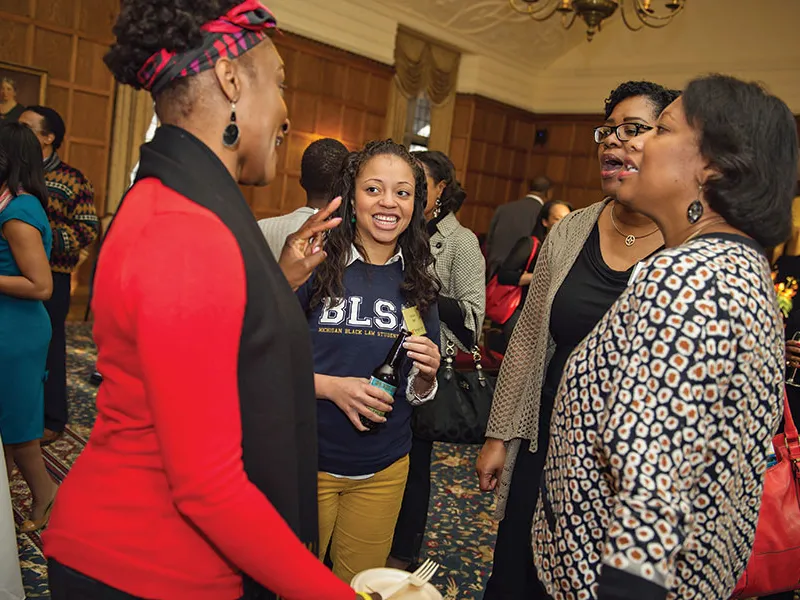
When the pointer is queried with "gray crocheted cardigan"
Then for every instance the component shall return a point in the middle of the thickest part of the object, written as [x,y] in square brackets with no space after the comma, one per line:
[517,397]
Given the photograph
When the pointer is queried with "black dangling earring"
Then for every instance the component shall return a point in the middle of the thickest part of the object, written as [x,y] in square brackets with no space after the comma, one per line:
[696,209]
[230,137]
[695,212]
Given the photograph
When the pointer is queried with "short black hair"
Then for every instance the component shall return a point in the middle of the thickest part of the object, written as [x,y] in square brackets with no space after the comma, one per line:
[750,137]
[539,230]
[540,184]
[441,168]
[51,123]
[21,165]
[320,165]
[658,95]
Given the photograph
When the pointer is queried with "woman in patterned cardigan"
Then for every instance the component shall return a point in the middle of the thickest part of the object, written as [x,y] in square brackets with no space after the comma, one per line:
[665,415]
[582,268]
[460,267]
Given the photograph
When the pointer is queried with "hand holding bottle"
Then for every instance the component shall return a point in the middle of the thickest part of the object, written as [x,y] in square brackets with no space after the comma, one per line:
[426,357]
[355,397]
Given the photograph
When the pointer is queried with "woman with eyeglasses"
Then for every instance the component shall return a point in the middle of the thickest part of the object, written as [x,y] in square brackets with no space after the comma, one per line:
[665,416]
[583,266]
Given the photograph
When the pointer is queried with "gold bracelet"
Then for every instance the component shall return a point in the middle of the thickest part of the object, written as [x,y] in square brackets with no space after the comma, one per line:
[364,595]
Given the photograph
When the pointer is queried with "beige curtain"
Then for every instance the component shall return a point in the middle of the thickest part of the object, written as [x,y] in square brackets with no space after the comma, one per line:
[423,66]
[133,112]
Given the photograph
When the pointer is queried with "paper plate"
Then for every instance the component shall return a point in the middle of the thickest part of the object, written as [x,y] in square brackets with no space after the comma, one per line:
[377,580]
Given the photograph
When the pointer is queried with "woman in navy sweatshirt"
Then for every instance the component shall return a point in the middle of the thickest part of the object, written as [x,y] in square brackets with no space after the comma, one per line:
[379,262]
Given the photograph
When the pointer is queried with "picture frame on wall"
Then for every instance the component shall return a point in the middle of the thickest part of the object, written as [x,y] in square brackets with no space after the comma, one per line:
[20,86]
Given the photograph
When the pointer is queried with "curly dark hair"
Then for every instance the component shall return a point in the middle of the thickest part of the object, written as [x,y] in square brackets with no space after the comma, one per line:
[750,137]
[420,285]
[146,26]
[21,166]
[658,95]
[441,168]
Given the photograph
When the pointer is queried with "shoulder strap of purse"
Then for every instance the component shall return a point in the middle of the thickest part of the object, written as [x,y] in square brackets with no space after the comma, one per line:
[535,247]
[790,435]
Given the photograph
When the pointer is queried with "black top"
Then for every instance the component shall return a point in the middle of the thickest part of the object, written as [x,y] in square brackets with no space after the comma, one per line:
[13,115]
[588,291]
[513,266]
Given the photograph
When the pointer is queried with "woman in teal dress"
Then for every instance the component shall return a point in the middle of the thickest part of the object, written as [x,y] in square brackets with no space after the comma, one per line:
[25,281]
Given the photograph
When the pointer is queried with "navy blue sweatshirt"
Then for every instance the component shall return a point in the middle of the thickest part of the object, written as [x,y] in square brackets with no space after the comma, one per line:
[350,340]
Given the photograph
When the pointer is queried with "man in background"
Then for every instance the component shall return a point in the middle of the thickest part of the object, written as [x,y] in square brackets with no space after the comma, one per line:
[321,162]
[73,219]
[513,221]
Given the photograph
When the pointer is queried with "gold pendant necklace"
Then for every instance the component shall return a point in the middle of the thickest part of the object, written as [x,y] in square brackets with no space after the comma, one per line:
[630,239]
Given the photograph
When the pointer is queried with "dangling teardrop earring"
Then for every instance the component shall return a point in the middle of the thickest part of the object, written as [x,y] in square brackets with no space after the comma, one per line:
[353,215]
[230,137]
[695,210]
[438,207]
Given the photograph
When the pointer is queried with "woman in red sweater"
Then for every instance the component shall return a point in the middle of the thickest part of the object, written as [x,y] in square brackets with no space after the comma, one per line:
[202,463]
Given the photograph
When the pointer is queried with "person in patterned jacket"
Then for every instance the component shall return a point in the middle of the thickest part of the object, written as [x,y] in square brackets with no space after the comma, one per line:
[665,415]
[73,219]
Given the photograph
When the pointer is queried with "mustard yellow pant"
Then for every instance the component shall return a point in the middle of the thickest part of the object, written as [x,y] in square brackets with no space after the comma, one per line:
[357,518]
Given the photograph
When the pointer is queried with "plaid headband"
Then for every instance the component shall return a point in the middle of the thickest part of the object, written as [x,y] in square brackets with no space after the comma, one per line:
[231,35]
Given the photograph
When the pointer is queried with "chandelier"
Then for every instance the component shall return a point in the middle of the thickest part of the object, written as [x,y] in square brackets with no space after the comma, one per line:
[594,12]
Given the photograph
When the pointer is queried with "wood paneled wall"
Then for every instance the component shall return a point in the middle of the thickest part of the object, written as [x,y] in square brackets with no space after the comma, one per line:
[330,93]
[495,156]
[68,38]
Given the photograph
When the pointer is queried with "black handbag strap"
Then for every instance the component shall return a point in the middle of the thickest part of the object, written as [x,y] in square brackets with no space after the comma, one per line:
[449,360]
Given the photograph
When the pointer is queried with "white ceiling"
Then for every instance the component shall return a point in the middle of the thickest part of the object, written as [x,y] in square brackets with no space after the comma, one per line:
[486,27]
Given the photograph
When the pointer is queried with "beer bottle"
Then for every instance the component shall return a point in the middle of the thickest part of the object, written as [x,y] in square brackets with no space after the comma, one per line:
[387,375]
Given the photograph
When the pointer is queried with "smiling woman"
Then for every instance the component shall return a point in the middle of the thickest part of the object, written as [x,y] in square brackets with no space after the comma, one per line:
[583,266]
[379,262]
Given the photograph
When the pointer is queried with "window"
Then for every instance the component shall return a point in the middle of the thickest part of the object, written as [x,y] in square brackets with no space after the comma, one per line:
[418,124]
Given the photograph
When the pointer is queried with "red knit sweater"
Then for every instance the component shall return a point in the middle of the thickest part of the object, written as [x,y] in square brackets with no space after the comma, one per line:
[158,505]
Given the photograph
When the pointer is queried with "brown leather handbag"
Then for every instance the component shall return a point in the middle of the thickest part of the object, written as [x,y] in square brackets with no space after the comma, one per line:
[774,565]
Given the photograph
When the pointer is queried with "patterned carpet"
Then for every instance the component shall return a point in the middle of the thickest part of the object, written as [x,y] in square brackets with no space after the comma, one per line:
[460,533]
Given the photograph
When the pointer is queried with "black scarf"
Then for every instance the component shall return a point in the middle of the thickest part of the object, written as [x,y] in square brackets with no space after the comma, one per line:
[276,386]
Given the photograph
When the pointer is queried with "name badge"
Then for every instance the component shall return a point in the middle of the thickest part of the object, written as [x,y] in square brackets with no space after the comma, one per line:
[637,268]
[413,320]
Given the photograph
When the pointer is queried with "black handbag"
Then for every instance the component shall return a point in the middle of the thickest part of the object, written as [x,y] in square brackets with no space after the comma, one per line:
[459,413]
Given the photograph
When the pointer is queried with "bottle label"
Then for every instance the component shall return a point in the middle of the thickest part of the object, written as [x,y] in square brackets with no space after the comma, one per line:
[389,389]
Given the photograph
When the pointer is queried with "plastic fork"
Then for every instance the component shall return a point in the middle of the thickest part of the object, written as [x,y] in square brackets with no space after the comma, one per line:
[418,578]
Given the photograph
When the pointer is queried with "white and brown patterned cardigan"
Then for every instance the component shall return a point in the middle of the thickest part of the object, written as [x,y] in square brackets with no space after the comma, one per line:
[517,397]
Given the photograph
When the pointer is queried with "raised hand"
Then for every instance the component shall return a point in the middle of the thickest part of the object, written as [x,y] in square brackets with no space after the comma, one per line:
[303,250]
